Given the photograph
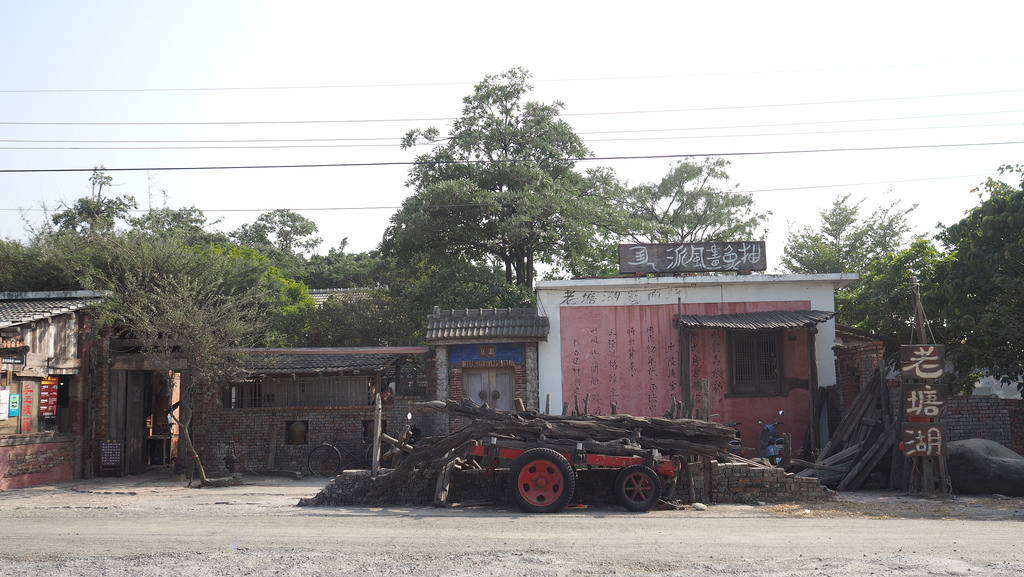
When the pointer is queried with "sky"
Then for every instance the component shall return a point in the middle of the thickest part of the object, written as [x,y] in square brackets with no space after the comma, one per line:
[910,102]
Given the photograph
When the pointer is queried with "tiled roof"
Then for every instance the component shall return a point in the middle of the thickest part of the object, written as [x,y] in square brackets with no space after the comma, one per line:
[321,295]
[311,360]
[756,321]
[476,324]
[19,308]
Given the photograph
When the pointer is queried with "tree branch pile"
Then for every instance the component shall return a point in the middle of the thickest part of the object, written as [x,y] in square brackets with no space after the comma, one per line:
[619,435]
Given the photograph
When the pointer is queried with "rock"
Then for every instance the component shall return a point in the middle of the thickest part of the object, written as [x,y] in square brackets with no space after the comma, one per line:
[700,506]
[982,466]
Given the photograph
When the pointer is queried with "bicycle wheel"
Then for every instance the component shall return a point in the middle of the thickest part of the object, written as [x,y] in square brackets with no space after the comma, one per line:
[324,461]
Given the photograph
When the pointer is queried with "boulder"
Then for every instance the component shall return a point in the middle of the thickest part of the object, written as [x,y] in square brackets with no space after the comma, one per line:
[982,466]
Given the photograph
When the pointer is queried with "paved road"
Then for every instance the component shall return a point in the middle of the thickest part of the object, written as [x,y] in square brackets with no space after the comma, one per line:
[152,526]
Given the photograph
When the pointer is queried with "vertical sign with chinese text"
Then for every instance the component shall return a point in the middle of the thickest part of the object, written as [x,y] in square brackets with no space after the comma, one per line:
[923,439]
[923,361]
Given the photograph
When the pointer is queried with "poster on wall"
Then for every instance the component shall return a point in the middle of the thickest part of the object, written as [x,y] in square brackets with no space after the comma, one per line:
[48,397]
[14,405]
[5,399]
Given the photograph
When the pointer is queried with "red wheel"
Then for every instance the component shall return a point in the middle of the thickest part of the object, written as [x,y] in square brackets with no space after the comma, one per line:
[638,488]
[541,481]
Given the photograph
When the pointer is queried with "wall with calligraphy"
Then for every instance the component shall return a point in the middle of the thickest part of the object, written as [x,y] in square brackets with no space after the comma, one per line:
[630,355]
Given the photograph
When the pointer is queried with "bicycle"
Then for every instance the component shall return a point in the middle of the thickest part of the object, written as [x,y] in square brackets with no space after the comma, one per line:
[329,459]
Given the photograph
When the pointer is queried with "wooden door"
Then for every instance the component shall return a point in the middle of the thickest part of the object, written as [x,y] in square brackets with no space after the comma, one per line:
[490,386]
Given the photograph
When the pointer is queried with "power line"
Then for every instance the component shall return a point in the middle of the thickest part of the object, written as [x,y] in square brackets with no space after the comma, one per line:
[567,114]
[357,208]
[587,159]
[255,144]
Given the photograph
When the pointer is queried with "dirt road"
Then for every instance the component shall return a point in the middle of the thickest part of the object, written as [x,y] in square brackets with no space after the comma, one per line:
[150,525]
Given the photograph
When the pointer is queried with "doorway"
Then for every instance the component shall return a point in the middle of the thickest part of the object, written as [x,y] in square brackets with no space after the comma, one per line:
[490,386]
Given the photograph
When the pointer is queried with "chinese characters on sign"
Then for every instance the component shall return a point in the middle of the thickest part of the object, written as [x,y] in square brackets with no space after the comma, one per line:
[924,439]
[925,401]
[692,257]
[923,361]
[48,397]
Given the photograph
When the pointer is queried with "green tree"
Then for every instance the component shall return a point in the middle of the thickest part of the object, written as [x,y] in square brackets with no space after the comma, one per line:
[692,203]
[283,236]
[186,305]
[339,269]
[983,284]
[500,188]
[95,214]
[881,303]
[189,225]
[845,242]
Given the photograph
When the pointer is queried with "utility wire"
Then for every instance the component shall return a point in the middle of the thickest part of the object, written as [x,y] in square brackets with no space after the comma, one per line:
[461,205]
[478,162]
[566,114]
[262,144]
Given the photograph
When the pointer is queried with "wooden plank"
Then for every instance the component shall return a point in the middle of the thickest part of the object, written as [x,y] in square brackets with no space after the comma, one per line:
[444,480]
[857,475]
[272,449]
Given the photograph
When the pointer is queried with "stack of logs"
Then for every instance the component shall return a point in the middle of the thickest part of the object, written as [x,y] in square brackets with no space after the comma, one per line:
[862,440]
[620,435]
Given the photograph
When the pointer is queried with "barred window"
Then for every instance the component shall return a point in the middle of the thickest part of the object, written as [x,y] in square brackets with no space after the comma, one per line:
[756,362]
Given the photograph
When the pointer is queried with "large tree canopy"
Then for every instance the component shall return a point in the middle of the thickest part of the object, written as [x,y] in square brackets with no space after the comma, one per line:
[846,242]
[983,283]
[500,188]
[692,203]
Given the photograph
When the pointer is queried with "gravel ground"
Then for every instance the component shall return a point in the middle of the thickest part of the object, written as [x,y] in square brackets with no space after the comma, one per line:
[150,525]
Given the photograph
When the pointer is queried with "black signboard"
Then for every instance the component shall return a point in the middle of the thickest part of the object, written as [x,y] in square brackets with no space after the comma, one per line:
[692,257]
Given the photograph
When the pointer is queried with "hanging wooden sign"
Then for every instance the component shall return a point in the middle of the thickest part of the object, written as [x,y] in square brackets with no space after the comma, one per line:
[923,361]
[923,439]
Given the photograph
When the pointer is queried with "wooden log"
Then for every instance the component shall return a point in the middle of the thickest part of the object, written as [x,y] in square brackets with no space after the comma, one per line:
[444,479]
[519,405]
[807,465]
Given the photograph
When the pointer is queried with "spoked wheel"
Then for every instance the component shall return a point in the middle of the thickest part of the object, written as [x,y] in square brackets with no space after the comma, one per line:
[324,461]
[541,481]
[638,488]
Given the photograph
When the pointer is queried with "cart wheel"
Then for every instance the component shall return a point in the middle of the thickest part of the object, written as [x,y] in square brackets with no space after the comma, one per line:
[638,488]
[324,461]
[541,481]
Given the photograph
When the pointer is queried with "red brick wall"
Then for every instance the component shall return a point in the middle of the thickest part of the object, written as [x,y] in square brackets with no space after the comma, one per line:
[25,462]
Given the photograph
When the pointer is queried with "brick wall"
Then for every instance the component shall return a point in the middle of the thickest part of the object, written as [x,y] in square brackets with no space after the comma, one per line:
[249,433]
[981,417]
[28,460]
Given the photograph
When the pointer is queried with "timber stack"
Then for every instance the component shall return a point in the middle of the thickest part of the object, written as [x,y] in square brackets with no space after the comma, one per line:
[863,440]
[617,435]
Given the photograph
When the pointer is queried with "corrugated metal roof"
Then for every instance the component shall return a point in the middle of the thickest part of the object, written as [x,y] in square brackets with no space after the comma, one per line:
[756,321]
[476,324]
[311,360]
[19,308]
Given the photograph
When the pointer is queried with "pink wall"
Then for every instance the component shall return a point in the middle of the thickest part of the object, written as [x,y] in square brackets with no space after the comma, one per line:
[629,355]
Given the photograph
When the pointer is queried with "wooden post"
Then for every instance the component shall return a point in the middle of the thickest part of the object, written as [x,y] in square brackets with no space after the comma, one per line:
[586,404]
[375,458]
[684,371]
[615,408]
[272,450]
[815,417]
[708,468]
[547,405]
[520,406]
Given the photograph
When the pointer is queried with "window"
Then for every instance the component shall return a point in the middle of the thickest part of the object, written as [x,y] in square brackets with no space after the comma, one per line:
[756,362]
